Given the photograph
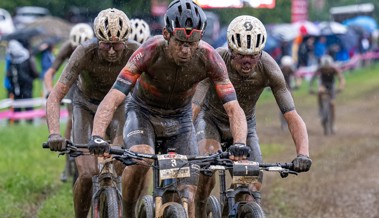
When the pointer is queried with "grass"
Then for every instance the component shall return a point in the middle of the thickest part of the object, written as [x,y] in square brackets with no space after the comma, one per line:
[29,175]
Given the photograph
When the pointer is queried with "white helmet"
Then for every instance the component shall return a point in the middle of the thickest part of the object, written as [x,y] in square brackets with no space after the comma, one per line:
[326,61]
[111,25]
[140,30]
[246,35]
[286,61]
[79,33]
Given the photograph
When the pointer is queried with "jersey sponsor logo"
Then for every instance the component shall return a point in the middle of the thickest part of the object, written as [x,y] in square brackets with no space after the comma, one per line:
[138,131]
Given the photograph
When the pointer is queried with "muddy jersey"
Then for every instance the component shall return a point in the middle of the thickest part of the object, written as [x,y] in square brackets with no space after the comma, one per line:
[64,53]
[94,76]
[249,87]
[327,76]
[165,85]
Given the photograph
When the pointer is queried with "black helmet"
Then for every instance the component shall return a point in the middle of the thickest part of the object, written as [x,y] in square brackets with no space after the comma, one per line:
[185,14]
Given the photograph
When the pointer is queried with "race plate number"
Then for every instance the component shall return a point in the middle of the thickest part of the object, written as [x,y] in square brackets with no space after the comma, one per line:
[245,172]
[173,166]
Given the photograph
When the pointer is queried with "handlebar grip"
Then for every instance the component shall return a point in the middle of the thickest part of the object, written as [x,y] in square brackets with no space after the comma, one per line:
[224,154]
[116,151]
[45,145]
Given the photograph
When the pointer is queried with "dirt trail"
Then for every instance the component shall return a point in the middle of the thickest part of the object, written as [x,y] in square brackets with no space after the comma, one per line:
[344,178]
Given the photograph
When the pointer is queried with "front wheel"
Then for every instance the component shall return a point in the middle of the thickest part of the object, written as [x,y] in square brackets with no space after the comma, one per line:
[213,207]
[250,210]
[174,210]
[107,204]
[145,208]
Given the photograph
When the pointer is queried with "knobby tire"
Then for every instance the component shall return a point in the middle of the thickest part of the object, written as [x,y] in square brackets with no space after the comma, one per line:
[174,210]
[145,208]
[108,204]
[213,207]
[250,210]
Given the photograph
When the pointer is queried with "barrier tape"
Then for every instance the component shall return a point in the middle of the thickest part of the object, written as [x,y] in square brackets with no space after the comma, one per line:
[36,113]
[30,102]
[352,63]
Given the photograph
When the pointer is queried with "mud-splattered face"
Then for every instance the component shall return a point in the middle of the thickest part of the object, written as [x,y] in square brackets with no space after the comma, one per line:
[181,51]
[111,51]
[244,64]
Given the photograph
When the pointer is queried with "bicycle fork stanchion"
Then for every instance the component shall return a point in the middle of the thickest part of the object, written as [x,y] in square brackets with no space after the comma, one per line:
[222,187]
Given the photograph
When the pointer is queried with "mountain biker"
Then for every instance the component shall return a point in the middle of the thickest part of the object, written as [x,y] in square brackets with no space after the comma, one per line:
[327,72]
[164,72]
[94,67]
[140,30]
[79,33]
[251,70]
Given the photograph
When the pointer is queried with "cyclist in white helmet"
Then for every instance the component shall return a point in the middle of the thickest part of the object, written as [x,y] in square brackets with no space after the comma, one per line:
[93,68]
[250,70]
[79,33]
[140,30]
[327,73]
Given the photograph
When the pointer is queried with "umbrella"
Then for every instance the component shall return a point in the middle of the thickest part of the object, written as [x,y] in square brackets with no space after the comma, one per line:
[24,35]
[368,23]
[331,28]
[306,28]
[286,32]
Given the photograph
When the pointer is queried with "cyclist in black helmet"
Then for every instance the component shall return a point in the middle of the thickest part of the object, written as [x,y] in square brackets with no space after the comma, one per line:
[164,72]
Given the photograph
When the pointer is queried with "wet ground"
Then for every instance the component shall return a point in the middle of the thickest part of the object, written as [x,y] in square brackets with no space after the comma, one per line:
[344,178]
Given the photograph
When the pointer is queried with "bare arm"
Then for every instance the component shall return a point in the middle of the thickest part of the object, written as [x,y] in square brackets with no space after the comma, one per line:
[198,99]
[237,120]
[48,79]
[298,131]
[53,107]
[341,80]
[105,111]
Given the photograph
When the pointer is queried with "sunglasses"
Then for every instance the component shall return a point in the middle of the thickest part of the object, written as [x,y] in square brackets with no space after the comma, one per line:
[253,56]
[193,36]
[117,46]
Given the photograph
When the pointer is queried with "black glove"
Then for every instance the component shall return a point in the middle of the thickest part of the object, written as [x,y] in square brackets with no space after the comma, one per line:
[239,150]
[301,163]
[56,142]
[98,146]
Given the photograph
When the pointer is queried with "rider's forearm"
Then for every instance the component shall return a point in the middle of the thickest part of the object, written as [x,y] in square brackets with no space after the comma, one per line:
[237,120]
[104,113]
[53,108]
[48,79]
[298,131]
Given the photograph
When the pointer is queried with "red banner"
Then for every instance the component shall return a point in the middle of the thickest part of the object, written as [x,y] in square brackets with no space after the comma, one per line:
[299,10]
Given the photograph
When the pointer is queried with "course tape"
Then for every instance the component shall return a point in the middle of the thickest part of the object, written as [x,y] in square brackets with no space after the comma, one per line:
[25,103]
[36,113]
[344,66]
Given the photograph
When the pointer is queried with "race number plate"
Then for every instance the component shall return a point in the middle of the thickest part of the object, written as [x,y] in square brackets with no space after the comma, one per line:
[173,166]
[245,172]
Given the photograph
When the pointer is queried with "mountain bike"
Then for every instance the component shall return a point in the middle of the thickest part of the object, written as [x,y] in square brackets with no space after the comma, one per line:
[106,186]
[168,168]
[244,173]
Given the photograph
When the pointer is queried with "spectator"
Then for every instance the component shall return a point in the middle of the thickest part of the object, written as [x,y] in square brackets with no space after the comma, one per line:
[320,48]
[21,72]
[47,59]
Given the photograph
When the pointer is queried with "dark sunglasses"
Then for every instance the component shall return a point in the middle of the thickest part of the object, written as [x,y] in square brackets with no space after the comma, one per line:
[193,35]
[117,46]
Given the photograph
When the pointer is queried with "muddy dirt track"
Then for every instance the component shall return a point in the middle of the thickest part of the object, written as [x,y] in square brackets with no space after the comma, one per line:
[344,178]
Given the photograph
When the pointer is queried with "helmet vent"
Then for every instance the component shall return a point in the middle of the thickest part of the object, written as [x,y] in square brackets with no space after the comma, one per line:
[258,40]
[188,5]
[196,11]
[101,34]
[263,39]
[189,24]
[248,40]
[180,9]
[120,23]
[177,24]
[238,39]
